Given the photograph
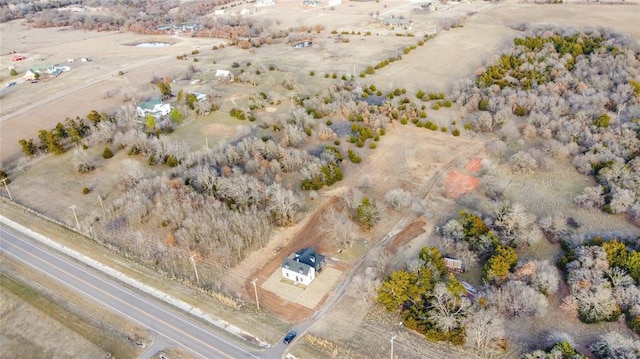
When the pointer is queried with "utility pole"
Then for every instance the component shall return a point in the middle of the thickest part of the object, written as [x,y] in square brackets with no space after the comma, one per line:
[392,338]
[4,180]
[255,289]
[73,209]
[195,269]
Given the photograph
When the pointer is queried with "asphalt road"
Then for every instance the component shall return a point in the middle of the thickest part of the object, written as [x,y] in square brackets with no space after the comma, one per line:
[168,324]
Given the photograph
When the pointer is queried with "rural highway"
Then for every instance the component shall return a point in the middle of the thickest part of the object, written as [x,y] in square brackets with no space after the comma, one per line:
[168,324]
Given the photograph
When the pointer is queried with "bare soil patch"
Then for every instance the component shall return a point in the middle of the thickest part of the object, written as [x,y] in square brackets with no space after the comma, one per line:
[306,236]
[408,233]
[458,184]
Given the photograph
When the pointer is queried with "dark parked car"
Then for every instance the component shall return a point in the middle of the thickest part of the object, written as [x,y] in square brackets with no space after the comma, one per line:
[289,337]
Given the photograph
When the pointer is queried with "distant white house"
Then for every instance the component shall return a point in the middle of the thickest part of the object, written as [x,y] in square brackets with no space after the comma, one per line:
[224,75]
[265,2]
[301,44]
[45,70]
[155,108]
[199,96]
[303,266]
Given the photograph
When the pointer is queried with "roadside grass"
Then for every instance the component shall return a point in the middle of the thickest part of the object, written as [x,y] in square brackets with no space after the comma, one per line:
[263,325]
[104,329]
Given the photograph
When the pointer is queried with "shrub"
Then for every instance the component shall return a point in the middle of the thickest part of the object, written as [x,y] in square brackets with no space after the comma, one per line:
[373,145]
[13,72]
[172,161]
[447,104]
[235,65]
[520,111]
[353,157]
[602,121]
[312,73]
[85,190]
[370,70]
[483,104]
[404,121]
[107,153]
[455,132]
[383,132]
[367,214]
[443,129]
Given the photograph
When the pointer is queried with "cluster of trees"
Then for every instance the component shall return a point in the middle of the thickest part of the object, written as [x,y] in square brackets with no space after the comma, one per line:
[149,17]
[608,346]
[60,138]
[604,278]
[512,289]
[429,301]
[558,93]
[438,306]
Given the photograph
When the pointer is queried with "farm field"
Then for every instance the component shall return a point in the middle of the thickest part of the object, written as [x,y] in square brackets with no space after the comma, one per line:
[416,160]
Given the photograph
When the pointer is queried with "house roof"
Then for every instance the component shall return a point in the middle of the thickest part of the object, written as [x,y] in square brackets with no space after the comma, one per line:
[149,105]
[303,260]
[295,266]
[309,257]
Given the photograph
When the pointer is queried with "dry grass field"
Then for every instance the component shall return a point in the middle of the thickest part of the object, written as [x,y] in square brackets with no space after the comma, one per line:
[409,158]
[42,319]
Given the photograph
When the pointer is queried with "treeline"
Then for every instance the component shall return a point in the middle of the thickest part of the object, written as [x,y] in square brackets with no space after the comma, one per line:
[558,93]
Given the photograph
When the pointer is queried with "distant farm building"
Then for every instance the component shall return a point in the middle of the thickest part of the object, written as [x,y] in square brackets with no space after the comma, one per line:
[199,96]
[302,44]
[302,267]
[224,75]
[311,3]
[43,71]
[396,21]
[470,291]
[155,108]
[453,265]
[265,2]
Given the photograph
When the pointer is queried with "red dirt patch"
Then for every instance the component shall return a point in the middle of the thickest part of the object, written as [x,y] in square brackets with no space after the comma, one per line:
[474,165]
[309,235]
[408,233]
[458,184]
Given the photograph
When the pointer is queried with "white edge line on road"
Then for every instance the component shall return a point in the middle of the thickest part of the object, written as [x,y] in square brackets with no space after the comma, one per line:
[112,285]
[132,282]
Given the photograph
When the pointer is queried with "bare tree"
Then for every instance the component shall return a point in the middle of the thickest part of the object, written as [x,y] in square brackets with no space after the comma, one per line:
[616,345]
[485,331]
[339,228]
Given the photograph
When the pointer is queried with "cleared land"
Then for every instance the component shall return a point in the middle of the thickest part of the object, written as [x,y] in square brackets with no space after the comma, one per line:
[425,156]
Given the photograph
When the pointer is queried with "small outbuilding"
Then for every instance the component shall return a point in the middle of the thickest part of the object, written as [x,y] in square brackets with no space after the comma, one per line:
[301,44]
[453,265]
[224,75]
